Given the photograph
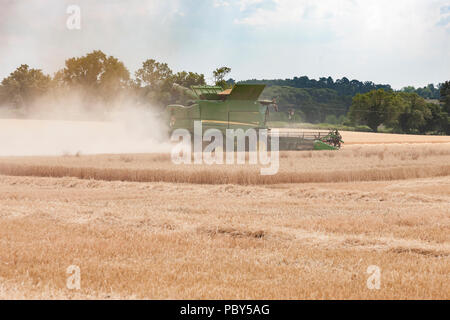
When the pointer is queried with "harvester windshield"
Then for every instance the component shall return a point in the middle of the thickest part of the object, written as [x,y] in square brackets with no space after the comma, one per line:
[247,92]
[207,92]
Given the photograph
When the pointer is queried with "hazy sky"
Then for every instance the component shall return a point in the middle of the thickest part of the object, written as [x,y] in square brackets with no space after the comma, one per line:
[400,42]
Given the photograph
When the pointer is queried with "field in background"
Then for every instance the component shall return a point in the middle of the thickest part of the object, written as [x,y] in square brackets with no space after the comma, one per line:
[351,137]
[195,232]
[328,126]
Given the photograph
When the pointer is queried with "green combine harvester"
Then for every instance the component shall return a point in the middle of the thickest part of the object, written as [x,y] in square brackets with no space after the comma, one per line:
[239,108]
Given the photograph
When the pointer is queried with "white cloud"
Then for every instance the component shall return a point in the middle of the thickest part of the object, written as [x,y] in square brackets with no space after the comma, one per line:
[445,17]
[220,3]
[34,32]
[244,4]
[375,13]
[393,41]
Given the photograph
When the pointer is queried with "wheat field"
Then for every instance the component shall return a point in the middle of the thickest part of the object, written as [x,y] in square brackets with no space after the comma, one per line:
[140,227]
[354,163]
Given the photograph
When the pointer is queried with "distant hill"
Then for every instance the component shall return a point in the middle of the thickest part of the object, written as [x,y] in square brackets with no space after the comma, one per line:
[429,92]
[343,87]
[312,105]
[315,100]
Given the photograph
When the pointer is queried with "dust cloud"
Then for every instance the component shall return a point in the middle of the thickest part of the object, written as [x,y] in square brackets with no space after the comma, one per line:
[62,127]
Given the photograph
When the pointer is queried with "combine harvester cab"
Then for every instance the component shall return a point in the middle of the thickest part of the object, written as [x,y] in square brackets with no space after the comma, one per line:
[239,108]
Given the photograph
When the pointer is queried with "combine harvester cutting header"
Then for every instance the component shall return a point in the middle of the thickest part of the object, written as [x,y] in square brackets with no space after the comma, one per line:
[239,108]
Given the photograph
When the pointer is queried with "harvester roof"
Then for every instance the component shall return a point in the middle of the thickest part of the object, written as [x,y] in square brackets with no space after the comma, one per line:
[239,92]
[246,92]
[207,92]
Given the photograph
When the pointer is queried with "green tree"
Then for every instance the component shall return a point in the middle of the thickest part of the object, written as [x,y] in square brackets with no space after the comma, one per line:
[115,76]
[445,96]
[24,85]
[153,73]
[415,113]
[219,76]
[154,82]
[438,122]
[188,79]
[96,74]
[375,108]
[185,79]
[428,92]
[445,100]
[314,104]
[409,89]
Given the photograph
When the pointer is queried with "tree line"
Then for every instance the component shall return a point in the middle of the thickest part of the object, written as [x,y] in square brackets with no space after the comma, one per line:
[398,111]
[344,86]
[417,110]
[102,79]
[309,104]
[99,78]
[404,112]
[430,92]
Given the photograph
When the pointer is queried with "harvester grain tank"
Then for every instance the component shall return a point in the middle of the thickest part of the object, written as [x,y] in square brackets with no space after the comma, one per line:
[239,108]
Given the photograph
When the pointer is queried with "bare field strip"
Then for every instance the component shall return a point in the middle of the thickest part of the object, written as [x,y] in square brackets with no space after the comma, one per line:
[353,163]
[186,241]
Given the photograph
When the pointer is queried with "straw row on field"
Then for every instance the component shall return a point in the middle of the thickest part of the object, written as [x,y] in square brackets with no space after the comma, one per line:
[225,175]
